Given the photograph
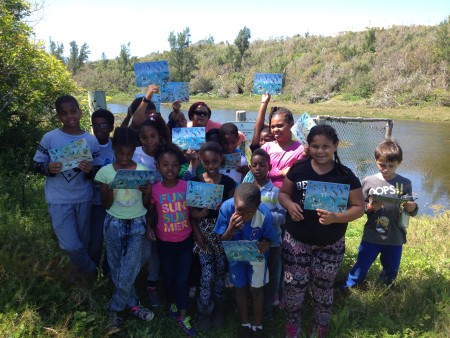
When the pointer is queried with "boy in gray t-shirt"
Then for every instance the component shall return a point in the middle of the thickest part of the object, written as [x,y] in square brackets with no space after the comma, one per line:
[69,193]
[384,231]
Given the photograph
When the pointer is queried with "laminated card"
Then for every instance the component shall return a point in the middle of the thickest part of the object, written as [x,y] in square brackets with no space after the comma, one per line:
[328,196]
[231,161]
[267,82]
[204,195]
[188,138]
[301,128]
[132,179]
[71,154]
[175,91]
[148,73]
[242,251]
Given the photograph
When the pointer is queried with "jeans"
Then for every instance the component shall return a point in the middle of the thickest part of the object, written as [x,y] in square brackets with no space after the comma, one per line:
[176,259]
[150,256]
[390,256]
[71,225]
[124,240]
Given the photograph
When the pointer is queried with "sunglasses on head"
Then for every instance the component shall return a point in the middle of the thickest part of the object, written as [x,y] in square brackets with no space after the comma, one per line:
[200,113]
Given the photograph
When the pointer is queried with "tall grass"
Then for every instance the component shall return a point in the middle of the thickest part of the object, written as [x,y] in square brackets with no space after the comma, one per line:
[37,301]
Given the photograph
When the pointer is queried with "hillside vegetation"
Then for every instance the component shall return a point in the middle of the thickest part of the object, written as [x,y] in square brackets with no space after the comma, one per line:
[399,66]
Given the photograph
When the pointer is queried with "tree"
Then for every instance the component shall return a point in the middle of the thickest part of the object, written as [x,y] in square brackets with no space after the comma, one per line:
[57,50]
[181,58]
[242,43]
[123,60]
[31,80]
[77,57]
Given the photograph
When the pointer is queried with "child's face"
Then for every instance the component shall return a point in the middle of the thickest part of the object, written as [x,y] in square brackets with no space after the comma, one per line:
[211,162]
[182,122]
[259,167]
[229,143]
[169,166]
[124,155]
[102,129]
[321,149]
[244,210]
[265,137]
[281,130]
[69,115]
[176,106]
[149,137]
[387,169]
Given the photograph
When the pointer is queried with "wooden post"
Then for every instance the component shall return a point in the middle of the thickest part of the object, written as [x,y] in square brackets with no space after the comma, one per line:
[97,99]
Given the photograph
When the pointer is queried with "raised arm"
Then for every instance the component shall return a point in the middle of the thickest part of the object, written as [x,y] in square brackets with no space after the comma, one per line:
[139,114]
[259,124]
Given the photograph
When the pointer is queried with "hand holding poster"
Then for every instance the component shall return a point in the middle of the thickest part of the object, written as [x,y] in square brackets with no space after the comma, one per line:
[71,154]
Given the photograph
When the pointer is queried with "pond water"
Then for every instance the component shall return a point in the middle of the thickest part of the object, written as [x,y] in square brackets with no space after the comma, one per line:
[426,155]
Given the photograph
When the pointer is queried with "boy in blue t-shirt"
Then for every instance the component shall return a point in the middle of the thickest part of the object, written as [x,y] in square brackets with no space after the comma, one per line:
[69,193]
[102,126]
[245,218]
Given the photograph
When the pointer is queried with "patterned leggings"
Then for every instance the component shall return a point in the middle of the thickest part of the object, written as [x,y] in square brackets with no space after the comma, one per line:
[212,278]
[312,266]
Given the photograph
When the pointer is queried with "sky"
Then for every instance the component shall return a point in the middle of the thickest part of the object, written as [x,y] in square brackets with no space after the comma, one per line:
[106,25]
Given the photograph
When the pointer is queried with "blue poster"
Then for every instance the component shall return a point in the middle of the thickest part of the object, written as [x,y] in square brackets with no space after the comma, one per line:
[242,251]
[175,91]
[188,138]
[231,161]
[327,196]
[266,82]
[204,195]
[71,154]
[301,128]
[132,179]
[148,73]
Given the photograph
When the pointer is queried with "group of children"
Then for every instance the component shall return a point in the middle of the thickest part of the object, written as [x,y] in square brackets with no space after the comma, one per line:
[152,224]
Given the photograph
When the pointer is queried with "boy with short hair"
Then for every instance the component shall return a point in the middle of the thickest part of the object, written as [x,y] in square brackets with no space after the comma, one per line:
[229,141]
[69,193]
[245,218]
[384,232]
[102,125]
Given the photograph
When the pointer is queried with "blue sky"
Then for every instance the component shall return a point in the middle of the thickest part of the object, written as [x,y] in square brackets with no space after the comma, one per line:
[105,25]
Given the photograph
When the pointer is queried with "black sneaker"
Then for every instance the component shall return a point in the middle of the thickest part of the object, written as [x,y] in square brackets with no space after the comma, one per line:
[245,332]
[257,333]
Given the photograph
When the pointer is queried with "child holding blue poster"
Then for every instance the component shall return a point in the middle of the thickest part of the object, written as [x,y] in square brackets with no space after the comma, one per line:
[314,242]
[124,228]
[173,233]
[152,134]
[244,217]
[212,257]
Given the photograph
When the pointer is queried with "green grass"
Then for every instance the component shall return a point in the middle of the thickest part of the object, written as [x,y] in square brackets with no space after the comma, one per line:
[37,301]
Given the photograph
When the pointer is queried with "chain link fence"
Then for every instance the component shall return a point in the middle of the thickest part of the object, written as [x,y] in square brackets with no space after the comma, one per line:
[358,138]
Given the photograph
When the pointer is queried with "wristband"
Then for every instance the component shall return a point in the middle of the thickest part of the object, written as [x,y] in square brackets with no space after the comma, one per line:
[146,100]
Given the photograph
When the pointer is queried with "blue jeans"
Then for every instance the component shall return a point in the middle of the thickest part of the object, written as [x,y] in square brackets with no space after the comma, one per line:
[390,256]
[176,259]
[124,240]
[71,225]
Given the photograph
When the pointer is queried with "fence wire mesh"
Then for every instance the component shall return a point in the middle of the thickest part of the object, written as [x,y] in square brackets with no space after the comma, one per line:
[358,139]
